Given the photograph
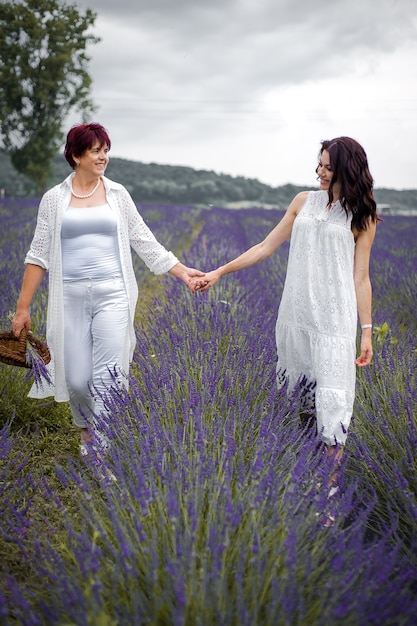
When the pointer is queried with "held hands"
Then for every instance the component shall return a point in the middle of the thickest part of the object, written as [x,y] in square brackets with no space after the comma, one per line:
[184,273]
[204,282]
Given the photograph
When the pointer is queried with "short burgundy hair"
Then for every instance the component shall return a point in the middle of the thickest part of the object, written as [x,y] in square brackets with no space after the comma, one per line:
[81,138]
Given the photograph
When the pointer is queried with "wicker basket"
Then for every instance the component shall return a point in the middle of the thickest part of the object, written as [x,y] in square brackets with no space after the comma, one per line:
[13,349]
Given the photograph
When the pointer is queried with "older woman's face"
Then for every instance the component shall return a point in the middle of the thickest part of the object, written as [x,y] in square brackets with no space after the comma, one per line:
[94,160]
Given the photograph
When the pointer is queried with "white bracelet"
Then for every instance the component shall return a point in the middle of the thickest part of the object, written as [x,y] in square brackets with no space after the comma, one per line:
[366,325]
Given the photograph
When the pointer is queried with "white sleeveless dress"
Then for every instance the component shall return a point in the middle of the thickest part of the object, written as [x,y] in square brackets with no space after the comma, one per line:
[317,318]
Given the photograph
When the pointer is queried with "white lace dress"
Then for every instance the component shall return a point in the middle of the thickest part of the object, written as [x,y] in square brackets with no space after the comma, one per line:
[317,318]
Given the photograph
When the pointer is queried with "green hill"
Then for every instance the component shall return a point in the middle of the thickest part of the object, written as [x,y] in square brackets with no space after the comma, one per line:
[172,184]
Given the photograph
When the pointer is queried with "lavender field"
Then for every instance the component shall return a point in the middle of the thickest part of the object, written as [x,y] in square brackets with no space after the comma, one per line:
[217,513]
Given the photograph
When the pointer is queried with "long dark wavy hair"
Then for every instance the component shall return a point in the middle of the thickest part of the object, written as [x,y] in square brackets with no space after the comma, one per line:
[349,165]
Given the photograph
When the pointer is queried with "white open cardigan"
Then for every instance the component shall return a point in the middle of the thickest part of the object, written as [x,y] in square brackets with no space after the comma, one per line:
[45,251]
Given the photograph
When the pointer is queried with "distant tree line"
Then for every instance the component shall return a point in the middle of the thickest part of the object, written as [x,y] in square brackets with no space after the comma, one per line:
[152,182]
[155,183]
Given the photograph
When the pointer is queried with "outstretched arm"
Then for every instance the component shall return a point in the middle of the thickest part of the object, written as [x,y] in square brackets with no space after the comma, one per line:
[258,252]
[363,290]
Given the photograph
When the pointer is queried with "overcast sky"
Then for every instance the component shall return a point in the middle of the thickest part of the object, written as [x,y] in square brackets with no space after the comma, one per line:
[251,87]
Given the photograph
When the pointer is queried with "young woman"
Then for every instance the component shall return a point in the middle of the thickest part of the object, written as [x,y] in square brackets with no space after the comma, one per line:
[327,285]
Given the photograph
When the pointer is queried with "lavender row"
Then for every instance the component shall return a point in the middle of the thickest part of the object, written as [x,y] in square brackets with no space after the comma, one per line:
[218,512]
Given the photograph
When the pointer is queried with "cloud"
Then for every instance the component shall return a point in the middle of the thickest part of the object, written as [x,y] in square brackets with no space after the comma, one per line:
[200,83]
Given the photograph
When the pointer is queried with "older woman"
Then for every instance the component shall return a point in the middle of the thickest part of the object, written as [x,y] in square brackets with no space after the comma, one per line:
[85,230]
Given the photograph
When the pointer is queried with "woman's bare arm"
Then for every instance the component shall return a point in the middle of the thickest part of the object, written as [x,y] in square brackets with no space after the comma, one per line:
[260,251]
[363,290]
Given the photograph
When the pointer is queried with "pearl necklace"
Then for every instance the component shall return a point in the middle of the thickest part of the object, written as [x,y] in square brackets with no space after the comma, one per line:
[87,195]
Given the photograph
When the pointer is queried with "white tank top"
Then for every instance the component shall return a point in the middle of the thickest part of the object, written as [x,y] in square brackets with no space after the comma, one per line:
[89,242]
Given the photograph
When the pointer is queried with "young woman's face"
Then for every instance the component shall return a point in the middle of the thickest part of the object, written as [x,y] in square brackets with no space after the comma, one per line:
[324,170]
[325,174]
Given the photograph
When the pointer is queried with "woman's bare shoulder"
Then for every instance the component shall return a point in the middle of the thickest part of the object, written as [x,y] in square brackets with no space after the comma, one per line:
[298,202]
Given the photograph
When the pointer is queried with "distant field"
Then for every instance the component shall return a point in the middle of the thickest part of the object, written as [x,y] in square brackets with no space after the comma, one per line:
[217,513]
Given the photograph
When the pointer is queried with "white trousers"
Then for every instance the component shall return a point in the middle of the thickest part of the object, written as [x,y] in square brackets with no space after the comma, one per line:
[96,326]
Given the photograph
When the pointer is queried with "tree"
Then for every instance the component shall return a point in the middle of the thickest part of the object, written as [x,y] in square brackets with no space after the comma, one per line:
[43,76]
